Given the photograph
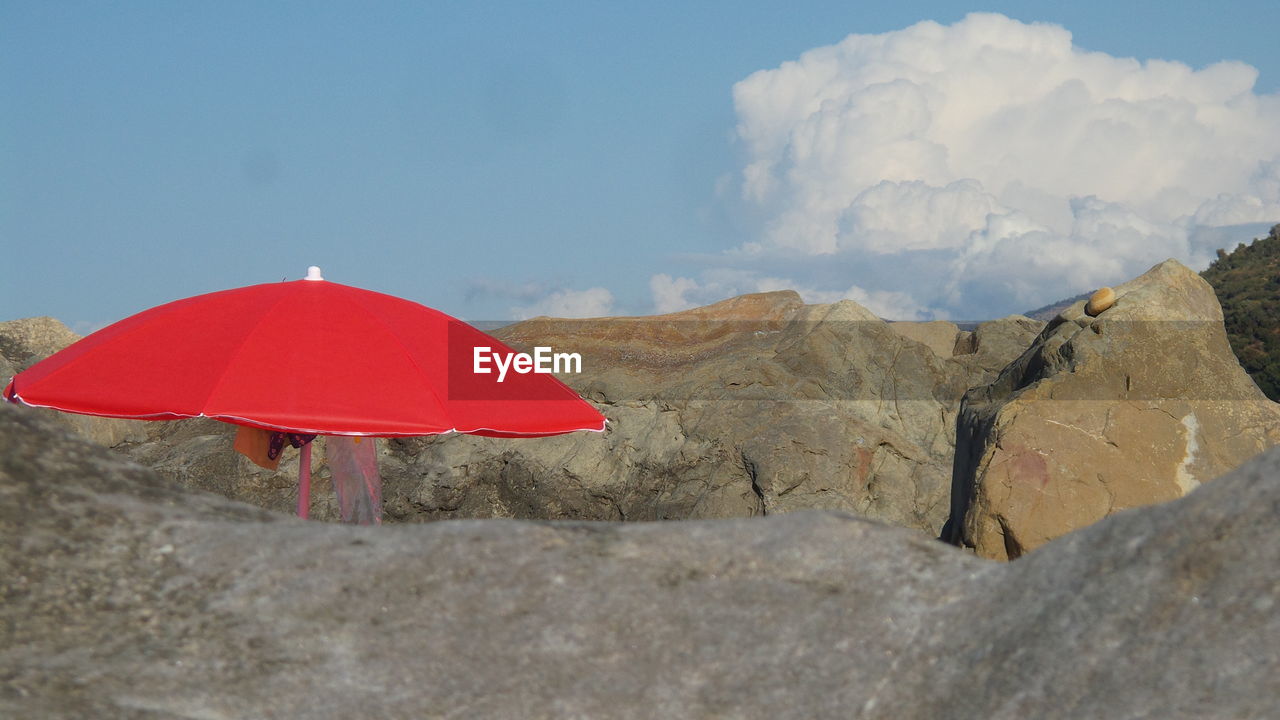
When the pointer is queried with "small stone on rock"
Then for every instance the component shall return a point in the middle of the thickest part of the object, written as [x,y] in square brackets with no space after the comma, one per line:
[1100,301]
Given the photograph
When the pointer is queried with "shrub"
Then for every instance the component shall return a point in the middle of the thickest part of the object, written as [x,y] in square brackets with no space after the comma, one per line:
[1247,282]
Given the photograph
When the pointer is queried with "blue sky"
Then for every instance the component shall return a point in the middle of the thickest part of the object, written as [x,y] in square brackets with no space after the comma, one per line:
[481,158]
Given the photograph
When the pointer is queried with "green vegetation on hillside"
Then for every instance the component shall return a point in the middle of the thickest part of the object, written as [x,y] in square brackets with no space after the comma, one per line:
[1247,281]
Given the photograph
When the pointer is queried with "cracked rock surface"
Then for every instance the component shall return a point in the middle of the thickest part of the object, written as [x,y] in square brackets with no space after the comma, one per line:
[124,596]
[1138,405]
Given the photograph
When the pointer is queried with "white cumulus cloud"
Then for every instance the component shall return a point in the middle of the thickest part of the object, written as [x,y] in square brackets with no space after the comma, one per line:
[986,167]
[669,294]
[681,293]
[566,303]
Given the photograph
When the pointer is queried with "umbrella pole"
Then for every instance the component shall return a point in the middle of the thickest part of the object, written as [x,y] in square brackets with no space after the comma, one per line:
[304,481]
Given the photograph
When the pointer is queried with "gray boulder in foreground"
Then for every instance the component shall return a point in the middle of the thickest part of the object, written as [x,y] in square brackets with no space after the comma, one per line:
[126,597]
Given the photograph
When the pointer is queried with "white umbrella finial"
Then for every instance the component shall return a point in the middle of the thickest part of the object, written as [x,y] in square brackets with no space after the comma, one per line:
[313,273]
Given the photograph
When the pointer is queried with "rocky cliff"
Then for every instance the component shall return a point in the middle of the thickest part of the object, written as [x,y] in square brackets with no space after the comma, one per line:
[758,404]
[125,596]
[1137,405]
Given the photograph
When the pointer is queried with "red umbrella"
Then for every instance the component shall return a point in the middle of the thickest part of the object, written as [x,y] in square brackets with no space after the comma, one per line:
[307,357]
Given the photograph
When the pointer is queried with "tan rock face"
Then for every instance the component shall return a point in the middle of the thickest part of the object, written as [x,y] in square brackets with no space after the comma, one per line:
[939,335]
[756,405]
[27,341]
[1137,406]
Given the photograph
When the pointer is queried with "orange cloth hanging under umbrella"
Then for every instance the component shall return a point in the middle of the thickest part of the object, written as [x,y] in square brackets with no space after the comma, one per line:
[255,444]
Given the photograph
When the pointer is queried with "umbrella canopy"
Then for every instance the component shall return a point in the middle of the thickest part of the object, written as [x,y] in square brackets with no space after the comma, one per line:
[308,356]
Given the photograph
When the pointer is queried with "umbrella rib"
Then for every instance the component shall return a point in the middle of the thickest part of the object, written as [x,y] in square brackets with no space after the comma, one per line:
[231,360]
[95,343]
[563,389]
[359,301]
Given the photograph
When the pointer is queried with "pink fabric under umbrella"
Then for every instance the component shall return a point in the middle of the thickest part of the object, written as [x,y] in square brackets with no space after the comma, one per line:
[353,462]
[304,481]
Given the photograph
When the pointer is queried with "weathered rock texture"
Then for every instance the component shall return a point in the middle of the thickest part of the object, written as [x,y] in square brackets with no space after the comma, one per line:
[1138,405]
[755,405]
[939,335]
[25,342]
[124,596]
